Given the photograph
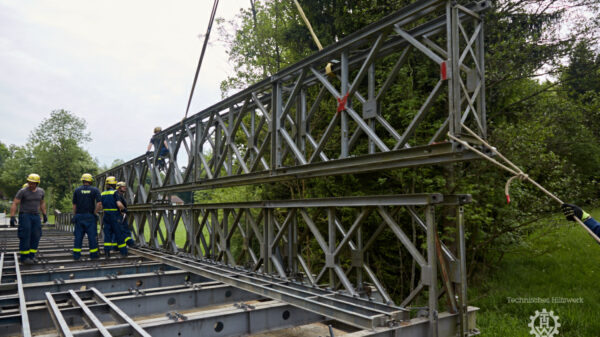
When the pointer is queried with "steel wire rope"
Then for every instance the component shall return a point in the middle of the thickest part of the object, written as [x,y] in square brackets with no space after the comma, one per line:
[210,23]
[514,170]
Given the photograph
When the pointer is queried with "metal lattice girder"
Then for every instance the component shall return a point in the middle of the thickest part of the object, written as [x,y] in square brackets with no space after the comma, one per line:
[351,310]
[273,227]
[58,275]
[284,127]
[110,283]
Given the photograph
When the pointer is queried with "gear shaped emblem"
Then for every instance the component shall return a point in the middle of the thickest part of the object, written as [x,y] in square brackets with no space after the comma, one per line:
[544,324]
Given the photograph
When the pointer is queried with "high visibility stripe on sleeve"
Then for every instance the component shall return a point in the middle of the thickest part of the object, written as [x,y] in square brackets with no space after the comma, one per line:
[24,252]
[107,244]
[111,209]
[93,250]
[33,250]
[121,245]
[127,238]
[111,192]
[77,249]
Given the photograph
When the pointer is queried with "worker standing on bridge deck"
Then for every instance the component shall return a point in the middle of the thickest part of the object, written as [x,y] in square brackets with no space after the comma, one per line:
[30,201]
[121,190]
[162,148]
[112,207]
[86,204]
[571,211]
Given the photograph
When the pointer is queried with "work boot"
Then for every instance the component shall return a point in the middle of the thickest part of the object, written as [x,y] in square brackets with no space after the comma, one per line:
[28,262]
[107,254]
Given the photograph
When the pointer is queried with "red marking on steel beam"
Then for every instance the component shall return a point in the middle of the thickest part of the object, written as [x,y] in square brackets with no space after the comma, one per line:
[342,103]
[444,70]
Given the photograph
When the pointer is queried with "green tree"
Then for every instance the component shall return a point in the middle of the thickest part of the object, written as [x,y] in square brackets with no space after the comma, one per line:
[15,168]
[56,145]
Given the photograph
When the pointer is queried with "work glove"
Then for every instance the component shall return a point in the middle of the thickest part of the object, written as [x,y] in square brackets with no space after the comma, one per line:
[149,153]
[45,218]
[572,211]
[124,211]
[13,221]
[97,217]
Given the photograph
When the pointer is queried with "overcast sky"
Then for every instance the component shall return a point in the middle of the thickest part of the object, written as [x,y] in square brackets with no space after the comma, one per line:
[124,66]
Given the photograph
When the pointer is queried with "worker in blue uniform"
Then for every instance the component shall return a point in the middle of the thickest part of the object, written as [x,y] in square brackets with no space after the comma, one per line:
[571,211]
[86,204]
[161,148]
[112,208]
[121,191]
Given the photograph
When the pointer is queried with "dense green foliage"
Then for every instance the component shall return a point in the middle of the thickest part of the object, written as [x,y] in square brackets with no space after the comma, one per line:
[546,124]
[54,151]
[559,268]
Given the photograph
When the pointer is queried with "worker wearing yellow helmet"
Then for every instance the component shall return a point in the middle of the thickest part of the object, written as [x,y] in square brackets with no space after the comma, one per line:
[86,204]
[124,221]
[112,209]
[30,202]
[160,147]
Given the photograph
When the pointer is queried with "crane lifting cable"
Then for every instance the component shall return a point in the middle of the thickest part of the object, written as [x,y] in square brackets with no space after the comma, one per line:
[515,170]
[314,36]
[210,23]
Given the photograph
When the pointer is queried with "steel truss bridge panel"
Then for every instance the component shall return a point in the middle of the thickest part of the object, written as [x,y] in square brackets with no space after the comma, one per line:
[174,302]
[281,230]
[301,123]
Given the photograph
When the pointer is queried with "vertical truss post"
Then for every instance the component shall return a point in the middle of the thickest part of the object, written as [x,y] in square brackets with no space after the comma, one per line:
[225,243]
[214,223]
[373,104]
[359,254]
[432,269]
[454,101]
[462,298]
[481,74]
[198,149]
[277,107]
[330,257]
[230,140]
[301,123]
[344,114]
[268,233]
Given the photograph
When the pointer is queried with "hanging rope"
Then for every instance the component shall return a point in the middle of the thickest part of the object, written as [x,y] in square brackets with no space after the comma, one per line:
[514,170]
[210,23]
[314,36]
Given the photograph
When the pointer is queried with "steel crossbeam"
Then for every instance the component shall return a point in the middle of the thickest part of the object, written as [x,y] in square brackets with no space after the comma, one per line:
[109,283]
[348,309]
[25,328]
[285,127]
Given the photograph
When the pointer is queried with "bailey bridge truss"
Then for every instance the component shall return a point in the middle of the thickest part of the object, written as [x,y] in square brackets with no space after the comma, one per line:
[229,269]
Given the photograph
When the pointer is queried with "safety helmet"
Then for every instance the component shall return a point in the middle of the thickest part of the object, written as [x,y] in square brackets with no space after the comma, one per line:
[87,177]
[157,129]
[25,185]
[121,183]
[34,178]
[111,180]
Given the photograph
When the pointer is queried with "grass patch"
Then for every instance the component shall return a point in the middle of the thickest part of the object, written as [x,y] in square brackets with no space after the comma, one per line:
[552,263]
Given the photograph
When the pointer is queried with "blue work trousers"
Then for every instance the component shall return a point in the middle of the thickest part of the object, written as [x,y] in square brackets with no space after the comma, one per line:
[127,238]
[29,232]
[85,224]
[112,229]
